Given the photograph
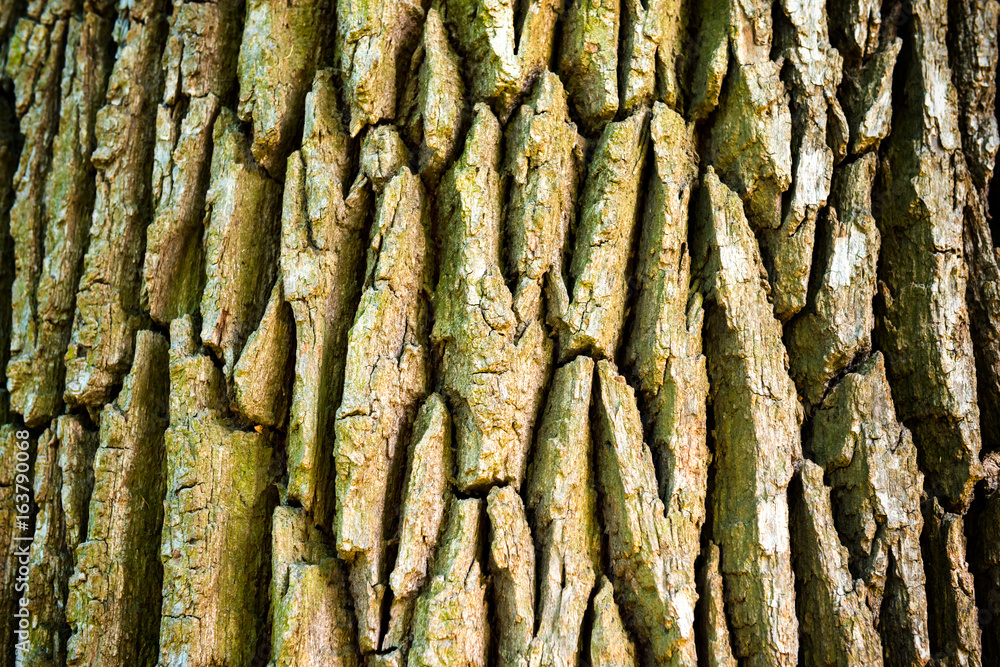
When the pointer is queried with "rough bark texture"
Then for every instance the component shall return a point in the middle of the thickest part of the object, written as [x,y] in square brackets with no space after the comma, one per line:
[450,625]
[610,645]
[637,529]
[494,356]
[562,501]
[311,620]
[427,497]
[372,40]
[9,157]
[277,60]
[44,318]
[33,64]
[512,564]
[64,479]
[405,350]
[199,63]
[871,465]
[506,45]
[434,101]
[954,623]
[715,642]
[924,330]
[115,589]
[543,162]
[322,256]
[261,378]
[385,376]
[815,74]
[750,139]
[836,328]
[108,312]
[837,627]
[757,439]
[592,320]
[217,512]
[242,223]
[664,354]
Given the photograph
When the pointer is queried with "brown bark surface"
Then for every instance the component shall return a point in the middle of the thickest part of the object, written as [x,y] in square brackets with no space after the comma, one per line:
[496,333]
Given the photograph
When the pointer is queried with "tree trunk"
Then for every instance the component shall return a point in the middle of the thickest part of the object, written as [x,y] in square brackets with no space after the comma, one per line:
[492,333]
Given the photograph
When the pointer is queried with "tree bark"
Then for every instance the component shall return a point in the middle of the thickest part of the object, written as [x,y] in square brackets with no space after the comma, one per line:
[492,333]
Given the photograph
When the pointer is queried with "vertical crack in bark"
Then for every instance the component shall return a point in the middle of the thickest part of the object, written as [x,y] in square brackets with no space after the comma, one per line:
[749,143]
[561,497]
[278,56]
[323,236]
[118,570]
[311,618]
[974,46]
[34,61]
[63,481]
[974,52]
[954,619]
[871,466]
[591,322]
[199,63]
[217,518]
[242,218]
[836,328]
[650,53]
[542,583]
[36,369]
[717,650]
[494,363]
[427,496]
[263,374]
[506,48]
[708,67]
[856,25]
[372,40]
[512,564]
[814,76]
[757,419]
[610,645]
[588,60]
[925,328]
[983,299]
[10,148]
[866,94]
[664,355]
[108,312]
[543,161]
[984,562]
[638,533]
[450,626]
[385,377]
[433,105]
[836,623]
